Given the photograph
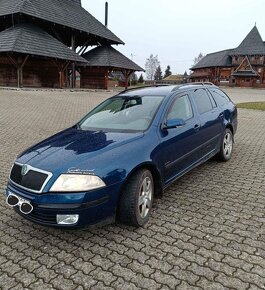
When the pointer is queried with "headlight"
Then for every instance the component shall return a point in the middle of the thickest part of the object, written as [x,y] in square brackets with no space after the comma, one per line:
[76,183]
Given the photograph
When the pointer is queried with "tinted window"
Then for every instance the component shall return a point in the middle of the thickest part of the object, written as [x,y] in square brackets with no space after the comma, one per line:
[181,109]
[219,97]
[202,101]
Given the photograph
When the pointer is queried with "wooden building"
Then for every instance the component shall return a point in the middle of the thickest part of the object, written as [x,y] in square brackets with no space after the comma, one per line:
[243,66]
[41,42]
[101,61]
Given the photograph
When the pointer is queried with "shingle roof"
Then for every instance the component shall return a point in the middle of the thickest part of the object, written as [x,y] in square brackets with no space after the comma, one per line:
[28,39]
[251,45]
[216,59]
[107,56]
[245,74]
[64,12]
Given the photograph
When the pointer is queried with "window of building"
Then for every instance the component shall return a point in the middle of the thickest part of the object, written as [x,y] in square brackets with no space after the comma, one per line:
[202,101]
[181,109]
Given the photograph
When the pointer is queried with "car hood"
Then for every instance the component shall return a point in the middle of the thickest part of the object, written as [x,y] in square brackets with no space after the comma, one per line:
[73,146]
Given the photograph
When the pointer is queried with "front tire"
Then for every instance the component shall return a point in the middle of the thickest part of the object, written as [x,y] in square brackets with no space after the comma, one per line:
[227,146]
[137,199]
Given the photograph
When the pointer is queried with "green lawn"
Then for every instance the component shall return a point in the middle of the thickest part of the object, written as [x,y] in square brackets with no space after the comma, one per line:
[253,106]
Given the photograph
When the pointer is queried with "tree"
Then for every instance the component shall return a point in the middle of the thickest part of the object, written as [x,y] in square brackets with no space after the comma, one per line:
[150,66]
[158,74]
[167,72]
[198,58]
[134,79]
[141,79]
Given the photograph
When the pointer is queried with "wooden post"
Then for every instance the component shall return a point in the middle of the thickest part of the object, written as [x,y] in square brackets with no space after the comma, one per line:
[127,74]
[61,69]
[73,64]
[20,65]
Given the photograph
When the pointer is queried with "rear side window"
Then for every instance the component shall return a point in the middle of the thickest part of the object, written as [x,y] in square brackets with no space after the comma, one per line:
[202,100]
[220,97]
[181,109]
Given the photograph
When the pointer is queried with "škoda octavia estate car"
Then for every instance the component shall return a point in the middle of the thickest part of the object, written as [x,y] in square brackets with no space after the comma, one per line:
[121,155]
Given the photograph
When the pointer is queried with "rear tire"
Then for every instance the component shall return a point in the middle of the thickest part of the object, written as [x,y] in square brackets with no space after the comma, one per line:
[137,199]
[227,146]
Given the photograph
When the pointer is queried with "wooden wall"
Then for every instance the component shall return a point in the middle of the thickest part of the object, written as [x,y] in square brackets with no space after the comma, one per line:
[93,78]
[36,73]
[8,73]
[40,73]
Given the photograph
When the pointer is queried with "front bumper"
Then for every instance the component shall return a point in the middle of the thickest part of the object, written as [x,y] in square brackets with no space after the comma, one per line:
[92,207]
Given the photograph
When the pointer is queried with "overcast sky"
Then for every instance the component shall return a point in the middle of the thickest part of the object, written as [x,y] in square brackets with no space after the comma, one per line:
[177,31]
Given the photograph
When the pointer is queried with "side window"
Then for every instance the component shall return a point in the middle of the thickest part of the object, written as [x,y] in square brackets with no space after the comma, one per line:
[202,100]
[219,97]
[181,109]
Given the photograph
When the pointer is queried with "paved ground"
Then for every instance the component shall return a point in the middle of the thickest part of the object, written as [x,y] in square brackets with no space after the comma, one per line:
[243,95]
[206,233]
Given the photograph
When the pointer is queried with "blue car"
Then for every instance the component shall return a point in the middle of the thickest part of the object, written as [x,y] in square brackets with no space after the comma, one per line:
[121,155]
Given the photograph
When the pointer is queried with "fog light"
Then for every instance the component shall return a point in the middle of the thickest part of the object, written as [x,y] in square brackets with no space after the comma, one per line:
[67,219]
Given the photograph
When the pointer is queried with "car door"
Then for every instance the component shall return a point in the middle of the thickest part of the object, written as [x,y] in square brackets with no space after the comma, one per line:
[211,122]
[178,145]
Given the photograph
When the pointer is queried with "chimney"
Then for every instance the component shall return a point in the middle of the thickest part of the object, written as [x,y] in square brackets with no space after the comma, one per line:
[78,2]
[106,13]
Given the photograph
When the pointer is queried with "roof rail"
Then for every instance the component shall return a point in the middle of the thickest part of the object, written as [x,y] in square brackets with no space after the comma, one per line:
[144,87]
[199,83]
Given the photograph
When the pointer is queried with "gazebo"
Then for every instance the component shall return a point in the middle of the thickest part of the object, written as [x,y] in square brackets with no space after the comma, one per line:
[100,62]
[30,56]
[39,41]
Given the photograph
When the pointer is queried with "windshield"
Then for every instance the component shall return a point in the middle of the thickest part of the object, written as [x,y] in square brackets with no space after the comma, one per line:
[123,113]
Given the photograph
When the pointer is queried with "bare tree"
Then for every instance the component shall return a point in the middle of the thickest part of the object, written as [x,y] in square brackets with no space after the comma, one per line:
[151,65]
[198,58]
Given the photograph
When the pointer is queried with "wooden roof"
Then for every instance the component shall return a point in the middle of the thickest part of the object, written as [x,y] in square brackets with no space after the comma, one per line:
[216,59]
[67,13]
[107,56]
[28,39]
[251,45]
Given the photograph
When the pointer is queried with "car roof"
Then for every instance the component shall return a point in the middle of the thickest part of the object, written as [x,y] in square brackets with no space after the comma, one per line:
[163,90]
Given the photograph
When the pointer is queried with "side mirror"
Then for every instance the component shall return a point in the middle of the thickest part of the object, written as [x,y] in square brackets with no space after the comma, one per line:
[174,123]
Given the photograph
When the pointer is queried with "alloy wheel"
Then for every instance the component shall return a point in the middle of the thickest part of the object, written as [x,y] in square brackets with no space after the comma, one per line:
[145,197]
[228,144]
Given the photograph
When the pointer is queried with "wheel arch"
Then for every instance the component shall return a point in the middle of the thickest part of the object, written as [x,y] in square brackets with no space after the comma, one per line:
[157,178]
[229,126]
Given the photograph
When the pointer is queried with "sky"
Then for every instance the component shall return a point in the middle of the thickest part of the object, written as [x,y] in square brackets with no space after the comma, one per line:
[177,31]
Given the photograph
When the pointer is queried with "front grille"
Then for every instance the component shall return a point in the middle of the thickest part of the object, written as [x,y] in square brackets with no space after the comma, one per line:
[33,180]
[39,217]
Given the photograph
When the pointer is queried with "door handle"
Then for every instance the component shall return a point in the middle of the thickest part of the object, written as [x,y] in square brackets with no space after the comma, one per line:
[197,127]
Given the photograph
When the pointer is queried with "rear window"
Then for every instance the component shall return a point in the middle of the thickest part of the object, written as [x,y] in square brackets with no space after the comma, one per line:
[202,100]
[220,97]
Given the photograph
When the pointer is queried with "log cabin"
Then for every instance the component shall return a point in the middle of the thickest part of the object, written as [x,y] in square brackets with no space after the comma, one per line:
[243,66]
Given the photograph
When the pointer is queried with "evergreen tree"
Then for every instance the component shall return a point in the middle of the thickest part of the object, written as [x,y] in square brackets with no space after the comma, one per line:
[167,72]
[141,79]
[158,74]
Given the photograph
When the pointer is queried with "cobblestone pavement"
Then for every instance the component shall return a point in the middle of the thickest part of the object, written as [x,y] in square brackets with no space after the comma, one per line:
[243,95]
[206,233]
